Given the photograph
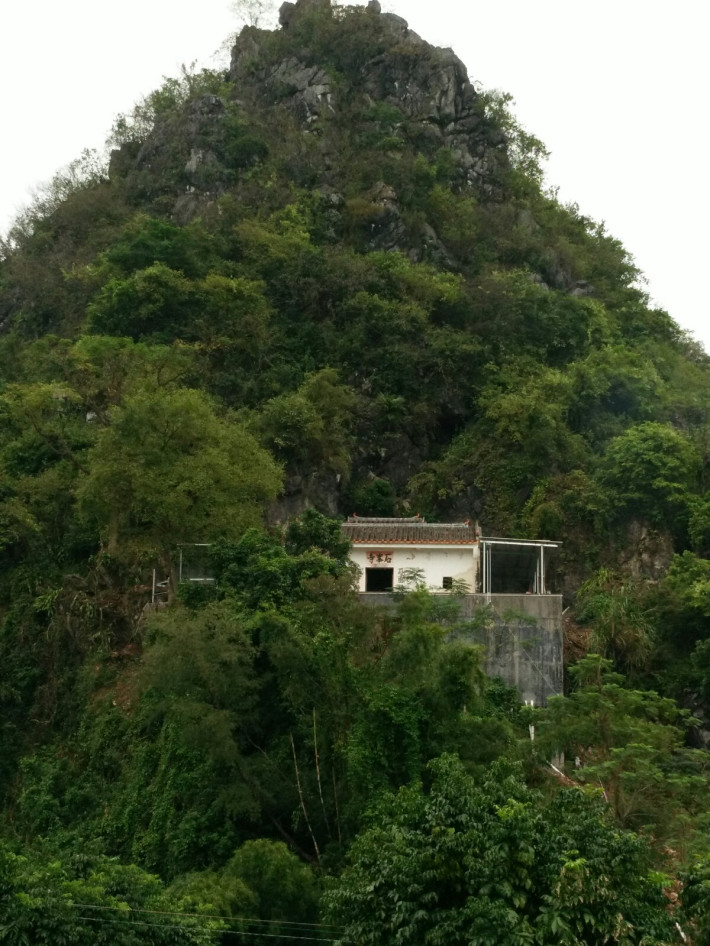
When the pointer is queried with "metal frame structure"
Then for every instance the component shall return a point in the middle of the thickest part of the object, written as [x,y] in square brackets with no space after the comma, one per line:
[487,545]
[192,545]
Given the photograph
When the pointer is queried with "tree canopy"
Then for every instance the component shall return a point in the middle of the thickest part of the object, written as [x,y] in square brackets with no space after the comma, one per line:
[329,280]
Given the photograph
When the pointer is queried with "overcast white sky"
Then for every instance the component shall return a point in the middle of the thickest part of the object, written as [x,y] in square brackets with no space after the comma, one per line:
[617,90]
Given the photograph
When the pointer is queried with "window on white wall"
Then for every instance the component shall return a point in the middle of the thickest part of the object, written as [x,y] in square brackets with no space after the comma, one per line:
[447,582]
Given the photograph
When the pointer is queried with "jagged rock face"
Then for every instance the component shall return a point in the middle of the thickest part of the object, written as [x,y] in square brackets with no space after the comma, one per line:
[430,86]
[427,85]
[199,115]
[309,88]
[179,155]
[388,230]
[306,492]
[289,11]
[647,551]
[319,78]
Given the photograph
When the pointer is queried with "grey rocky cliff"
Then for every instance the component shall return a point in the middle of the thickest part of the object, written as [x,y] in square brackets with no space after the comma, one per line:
[388,69]
[647,552]
[429,86]
[313,83]
[179,155]
[307,88]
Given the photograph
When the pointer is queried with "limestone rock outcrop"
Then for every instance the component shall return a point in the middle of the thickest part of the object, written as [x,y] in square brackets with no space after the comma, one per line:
[325,86]
[428,86]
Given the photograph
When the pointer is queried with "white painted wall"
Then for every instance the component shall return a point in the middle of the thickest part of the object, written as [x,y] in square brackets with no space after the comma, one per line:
[436,561]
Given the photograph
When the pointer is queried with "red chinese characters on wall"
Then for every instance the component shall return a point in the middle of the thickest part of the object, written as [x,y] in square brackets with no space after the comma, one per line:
[379,558]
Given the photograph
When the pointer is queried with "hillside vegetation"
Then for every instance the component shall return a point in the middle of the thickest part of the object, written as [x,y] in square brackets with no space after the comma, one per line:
[331,279]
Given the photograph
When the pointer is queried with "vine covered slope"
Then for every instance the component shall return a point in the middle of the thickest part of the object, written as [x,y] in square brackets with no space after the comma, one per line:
[331,279]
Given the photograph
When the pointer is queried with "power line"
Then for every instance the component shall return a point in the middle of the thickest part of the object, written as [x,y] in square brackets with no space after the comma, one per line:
[187,929]
[211,916]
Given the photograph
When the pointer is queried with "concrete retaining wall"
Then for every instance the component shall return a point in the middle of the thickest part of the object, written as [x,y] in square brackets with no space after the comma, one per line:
[521,636]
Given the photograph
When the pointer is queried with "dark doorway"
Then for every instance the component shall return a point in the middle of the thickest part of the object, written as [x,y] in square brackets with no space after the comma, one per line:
[379,579]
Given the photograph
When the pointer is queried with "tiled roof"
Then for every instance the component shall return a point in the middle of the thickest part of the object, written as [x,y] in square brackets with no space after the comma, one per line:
[415,531]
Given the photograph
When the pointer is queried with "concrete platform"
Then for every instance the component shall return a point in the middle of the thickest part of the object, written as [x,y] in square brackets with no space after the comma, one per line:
[521,636]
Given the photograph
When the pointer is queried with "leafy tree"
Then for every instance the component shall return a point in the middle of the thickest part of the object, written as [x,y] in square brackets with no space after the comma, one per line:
[485,862]
[699,525]
[311,428]
[284,888]
[681,604]
[694,914]
[145,241]
[80,175]
[374,498]
[526,410]
[261,573]
[426,694]
[622,628]
[632,743]
[253,12]
[527,152]
[46,436]
[156,303]
[313,531]
[409,329]
[652,470]
[169,469]
[161,103]
[99,901]
[612,387]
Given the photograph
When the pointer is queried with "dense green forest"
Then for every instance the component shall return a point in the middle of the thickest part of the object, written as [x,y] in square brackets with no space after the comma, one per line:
[332,278]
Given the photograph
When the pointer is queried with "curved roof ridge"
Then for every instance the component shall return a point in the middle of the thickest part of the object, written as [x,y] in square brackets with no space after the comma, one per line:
[396,531]
[385,520]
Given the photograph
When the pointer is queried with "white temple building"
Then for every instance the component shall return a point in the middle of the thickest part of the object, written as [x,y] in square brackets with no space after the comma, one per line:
[445,556]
